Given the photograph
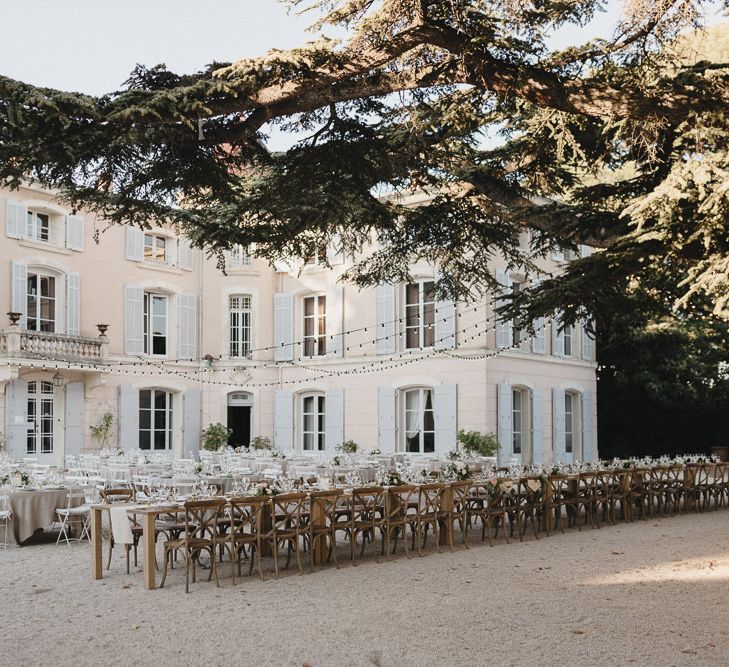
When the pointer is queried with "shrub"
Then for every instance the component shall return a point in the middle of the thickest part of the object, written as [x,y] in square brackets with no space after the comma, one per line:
[482,444]
[216,436]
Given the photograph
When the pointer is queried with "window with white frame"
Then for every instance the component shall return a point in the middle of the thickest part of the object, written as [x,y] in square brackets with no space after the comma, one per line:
[567,341]
[239,256]
[315,325]
[155,419]
[38,227]
[571,402]
[313,416]
[517,334]
[42,302]
[156,308]
[40,418]
[517,412]
[418,420]
[420,314]
[241,320]
[155,248]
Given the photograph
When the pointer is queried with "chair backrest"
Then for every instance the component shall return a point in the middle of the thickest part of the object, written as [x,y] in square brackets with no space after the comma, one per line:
[117,495]
[202,517]
[461,493]
[246,515]
[325,504]
[367,503]
[401,501]
[430,499]
[287,510]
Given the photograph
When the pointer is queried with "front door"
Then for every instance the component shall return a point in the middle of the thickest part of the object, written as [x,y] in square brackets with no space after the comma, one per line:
[40,442]
[239,421]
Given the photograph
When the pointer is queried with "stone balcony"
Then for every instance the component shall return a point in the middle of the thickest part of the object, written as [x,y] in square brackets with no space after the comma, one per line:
[18,344]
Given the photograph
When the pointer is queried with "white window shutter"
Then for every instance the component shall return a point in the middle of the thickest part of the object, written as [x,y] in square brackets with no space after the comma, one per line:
[557,336]
[74,417]
[335,252]
[504,328]
[74,232]
[333,418]
[19,296]
[283,326]
[283,420]
[16,418]
[537,426]
[191,430]
[128,417]
[386,419]
[133,320]
[445,325]
[184,254]
[505,416]
[558,438]
[187,326]
[16,219]
[73,304]
[587,343]
[589,451]
[334,320]
[134,244]
[445,404]
[386,315]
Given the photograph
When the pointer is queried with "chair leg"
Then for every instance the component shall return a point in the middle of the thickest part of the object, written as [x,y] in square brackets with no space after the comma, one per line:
[111,548]
[164,572]
[298,555]
[275,556]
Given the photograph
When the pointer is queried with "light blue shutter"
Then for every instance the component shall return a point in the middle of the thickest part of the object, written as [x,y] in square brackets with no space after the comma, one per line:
[16,418]
[16,219]
[73,304]
[133,320]
[128,417]
[74,417]
[558,439]
[283,420]
[445,325]
[335,253]
[445,406]
[504,332]
[385,332]
[19,300]
[557,336]
[537,426]
[187,326]
[134,244]
[74,232]
[333,418]
[539,339]
[589,452]
[283,327]
[386,419]
[587,343]
[191,423]
[505,410]
[334,319]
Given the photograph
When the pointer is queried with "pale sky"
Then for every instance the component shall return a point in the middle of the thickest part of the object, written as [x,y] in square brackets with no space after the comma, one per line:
[92,45]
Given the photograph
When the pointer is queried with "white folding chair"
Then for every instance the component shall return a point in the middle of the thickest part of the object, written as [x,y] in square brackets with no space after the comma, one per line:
[73,511]
[5,516]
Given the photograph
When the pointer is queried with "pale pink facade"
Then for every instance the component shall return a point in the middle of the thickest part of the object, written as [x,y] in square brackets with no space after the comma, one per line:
[281,340]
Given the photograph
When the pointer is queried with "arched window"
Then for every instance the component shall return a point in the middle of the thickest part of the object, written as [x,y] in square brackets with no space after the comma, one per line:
[155,419]
[313,427]
[418,424]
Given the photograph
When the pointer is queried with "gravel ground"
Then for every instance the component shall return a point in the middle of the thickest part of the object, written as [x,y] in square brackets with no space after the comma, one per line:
[649,593]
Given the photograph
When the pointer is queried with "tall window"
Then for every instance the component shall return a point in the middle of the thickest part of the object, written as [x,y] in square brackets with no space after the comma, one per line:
[155,248]
[41,302]
[155,419]
[239,256]
[419,421]
[517,334]
[313,410]
[240,325]
[569,421]
[40,418]
[420,314]
[315,326]
[38,226]
[567,338]
[155,324]
[517,412]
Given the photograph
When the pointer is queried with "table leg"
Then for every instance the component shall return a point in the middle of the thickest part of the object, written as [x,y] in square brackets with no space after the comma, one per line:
[317,520]
[150,565]
[446,527]
[97,543]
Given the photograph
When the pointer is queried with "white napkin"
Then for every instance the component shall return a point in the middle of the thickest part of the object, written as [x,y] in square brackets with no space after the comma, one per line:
[120,526]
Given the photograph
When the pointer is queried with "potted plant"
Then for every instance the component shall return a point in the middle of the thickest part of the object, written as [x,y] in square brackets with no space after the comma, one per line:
[348,447]
[478,444]
[215,436]
[261,443]
[101,432]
